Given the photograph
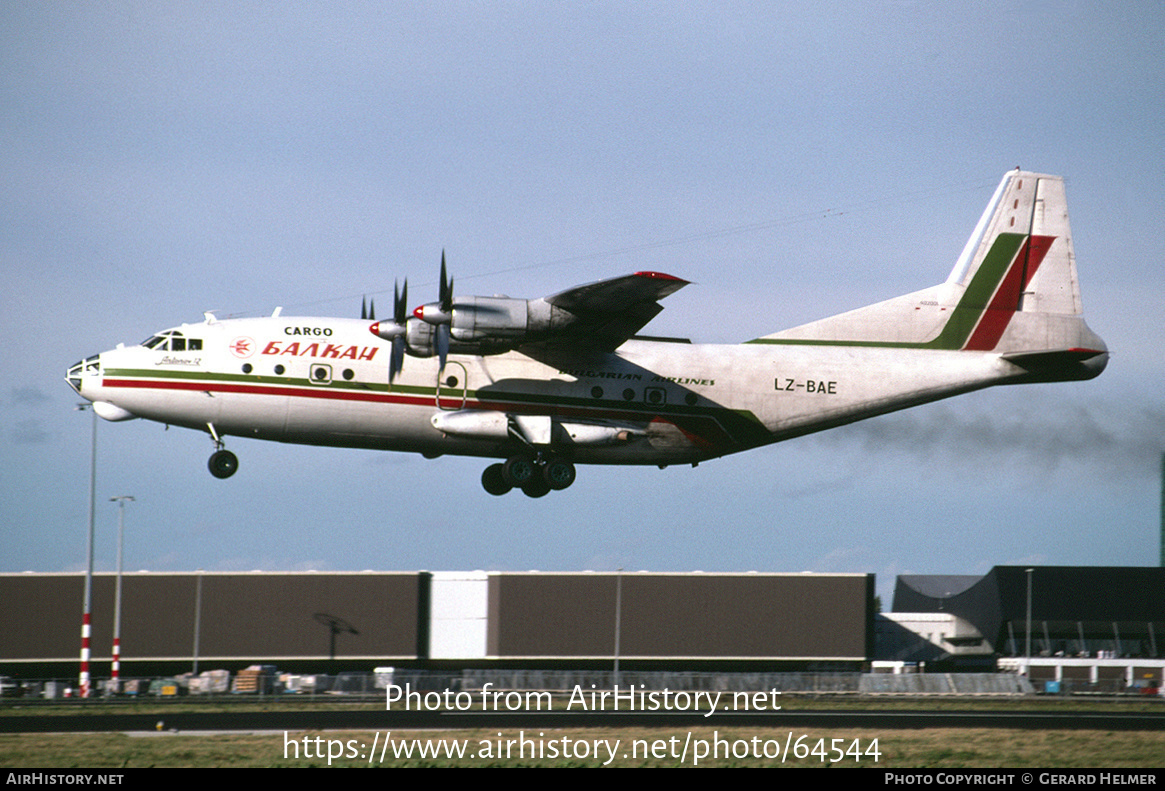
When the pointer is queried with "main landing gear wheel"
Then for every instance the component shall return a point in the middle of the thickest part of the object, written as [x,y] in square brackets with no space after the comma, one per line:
[535,477]
[519,471]
[537,487]
[493,480]
[558,474]
[223,464]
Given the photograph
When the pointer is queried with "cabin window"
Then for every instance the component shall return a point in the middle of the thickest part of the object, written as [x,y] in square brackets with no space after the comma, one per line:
[172,341]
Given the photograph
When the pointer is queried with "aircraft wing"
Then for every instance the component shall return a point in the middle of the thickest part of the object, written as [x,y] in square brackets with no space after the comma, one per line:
[611,311]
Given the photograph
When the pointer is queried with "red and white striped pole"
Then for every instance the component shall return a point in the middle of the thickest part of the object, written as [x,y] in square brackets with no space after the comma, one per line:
[85,629]
[86,614]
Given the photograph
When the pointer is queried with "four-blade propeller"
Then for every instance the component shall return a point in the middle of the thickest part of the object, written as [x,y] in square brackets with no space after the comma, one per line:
[440,313]
[396,329]
[436,314]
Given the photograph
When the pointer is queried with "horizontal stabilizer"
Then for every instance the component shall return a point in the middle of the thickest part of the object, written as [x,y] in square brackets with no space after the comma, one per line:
[1051,356]
[1061,364]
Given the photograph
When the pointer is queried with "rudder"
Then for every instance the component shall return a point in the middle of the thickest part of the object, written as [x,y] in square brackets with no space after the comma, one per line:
[1019,260]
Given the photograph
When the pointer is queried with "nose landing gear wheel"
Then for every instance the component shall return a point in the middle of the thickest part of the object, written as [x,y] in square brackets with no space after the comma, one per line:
[223,464]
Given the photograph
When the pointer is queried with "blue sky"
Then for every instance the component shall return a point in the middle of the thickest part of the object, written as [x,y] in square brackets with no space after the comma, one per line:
[793,161]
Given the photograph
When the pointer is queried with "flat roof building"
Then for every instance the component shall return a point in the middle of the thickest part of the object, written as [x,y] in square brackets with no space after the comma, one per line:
[337,620]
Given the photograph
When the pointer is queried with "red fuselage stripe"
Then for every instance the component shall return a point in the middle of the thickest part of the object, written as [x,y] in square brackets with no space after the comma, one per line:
[711,433]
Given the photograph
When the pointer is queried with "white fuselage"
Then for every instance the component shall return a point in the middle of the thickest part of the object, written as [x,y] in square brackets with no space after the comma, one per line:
[552,382]
[324,381]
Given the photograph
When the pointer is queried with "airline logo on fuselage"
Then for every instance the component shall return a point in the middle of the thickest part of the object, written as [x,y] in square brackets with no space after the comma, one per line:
[242,347]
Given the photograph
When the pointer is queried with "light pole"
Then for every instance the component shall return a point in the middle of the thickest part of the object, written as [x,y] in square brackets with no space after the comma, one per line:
[1028,650]
[197,618]
[618,619]
[86,613]
[116,674]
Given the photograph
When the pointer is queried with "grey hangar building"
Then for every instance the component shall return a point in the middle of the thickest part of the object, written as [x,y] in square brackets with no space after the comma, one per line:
[1088,624]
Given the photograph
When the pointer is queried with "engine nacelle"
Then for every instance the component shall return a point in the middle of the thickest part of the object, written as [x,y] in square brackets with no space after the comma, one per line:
[486,325]
[490,318]
[420,338]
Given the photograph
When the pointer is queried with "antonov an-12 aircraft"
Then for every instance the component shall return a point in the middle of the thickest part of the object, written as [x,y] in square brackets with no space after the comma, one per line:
[546,384]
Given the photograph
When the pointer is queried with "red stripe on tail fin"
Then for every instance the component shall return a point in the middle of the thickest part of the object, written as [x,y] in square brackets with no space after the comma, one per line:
[1006,300]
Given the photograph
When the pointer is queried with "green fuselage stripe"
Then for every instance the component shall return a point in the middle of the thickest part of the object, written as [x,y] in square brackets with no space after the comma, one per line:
[964,316]
[740,425]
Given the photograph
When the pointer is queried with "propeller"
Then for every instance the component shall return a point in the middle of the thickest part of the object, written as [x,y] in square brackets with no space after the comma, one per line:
[440,313]
[395,330]
[446,297]
[368,312]
[400,320]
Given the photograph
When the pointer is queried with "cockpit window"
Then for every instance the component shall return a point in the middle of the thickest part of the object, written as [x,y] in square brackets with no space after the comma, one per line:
[173,341]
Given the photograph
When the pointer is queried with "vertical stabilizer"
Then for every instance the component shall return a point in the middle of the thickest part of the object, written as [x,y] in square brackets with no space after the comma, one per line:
[1013,289]
[1020,256]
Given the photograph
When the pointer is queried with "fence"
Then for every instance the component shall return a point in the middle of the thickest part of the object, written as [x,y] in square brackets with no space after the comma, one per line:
[372,685]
